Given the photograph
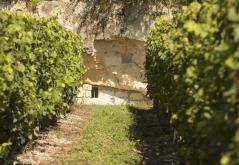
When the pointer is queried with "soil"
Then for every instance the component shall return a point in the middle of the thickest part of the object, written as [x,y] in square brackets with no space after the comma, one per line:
[52,146]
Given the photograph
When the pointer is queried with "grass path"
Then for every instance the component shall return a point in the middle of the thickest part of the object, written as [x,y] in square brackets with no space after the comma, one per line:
[121,135]
[106,141]
[103,135]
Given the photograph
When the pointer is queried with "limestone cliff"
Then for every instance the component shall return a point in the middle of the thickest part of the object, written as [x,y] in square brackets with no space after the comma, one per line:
[113,32]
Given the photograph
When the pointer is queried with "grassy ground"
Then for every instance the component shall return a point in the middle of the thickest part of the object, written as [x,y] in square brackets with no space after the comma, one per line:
[106,140]
[121,135]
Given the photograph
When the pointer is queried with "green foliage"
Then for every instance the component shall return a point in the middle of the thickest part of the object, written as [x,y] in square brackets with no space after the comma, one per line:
[192,68]
[105,5]
[39,61]
[4,149]
[32,4]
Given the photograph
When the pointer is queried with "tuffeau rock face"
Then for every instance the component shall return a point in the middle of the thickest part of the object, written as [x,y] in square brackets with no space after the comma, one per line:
[114,32]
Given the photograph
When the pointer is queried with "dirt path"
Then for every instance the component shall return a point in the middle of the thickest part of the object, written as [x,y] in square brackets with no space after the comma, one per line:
[52,146]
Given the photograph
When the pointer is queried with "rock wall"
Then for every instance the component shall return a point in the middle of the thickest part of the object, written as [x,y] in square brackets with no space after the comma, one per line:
[112,96]
[113,31]
[5,5]
[102,19]
[117,63]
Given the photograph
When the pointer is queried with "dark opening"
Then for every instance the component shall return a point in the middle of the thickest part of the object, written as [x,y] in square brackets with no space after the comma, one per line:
[95,91]
[127,58]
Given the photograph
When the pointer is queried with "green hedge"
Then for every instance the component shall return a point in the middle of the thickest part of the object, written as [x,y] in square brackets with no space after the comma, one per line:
[192,67]
[39,62]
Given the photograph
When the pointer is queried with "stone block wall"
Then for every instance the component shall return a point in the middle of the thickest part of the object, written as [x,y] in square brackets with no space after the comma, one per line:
[111,96]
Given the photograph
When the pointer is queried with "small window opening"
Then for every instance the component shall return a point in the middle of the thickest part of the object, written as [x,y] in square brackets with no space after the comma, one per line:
[127,58]
[95,91]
